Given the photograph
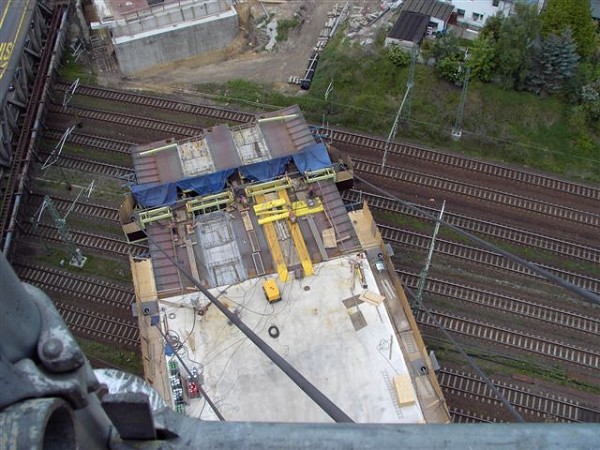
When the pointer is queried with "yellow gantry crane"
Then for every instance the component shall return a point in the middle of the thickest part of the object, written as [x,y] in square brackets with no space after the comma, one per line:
[281,208]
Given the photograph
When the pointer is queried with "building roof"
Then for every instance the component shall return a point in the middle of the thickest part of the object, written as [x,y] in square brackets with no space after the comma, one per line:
[410,26]
[432,8]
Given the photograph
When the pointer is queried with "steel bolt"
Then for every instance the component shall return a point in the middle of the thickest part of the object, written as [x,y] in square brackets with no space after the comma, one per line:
[52,348]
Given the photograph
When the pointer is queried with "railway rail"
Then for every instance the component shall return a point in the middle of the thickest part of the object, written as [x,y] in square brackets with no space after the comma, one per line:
[86,140]
[104,293]
[159,102]
[96,242]
[101,326]
[541,405]
[591,219]
[576,322]
[84,208]
[171,128]
[461,162]
[93,166]
[582,357]
[481,256]
[486,228]
[356,139]
[461,416]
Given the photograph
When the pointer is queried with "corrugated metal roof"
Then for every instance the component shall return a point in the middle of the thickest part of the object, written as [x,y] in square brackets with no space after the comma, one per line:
[410,26]
[157,166]
[432,8]
[222,148]
[283,141]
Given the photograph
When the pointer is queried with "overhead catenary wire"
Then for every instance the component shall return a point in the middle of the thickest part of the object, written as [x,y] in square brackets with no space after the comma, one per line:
[587,295]
[474,366]
[330,408]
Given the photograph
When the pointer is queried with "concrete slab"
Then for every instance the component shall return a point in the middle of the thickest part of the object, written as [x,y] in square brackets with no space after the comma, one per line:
[355,368]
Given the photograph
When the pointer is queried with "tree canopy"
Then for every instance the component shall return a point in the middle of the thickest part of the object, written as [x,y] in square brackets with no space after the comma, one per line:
[558,15]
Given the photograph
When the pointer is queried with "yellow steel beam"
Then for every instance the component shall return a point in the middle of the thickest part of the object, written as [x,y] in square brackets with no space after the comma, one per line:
[274,247]
[305,260]
[265,206]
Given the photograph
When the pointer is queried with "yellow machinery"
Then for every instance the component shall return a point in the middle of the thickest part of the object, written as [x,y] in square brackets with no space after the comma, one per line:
[273,241]
[271,291]
[307,266]
[281,208]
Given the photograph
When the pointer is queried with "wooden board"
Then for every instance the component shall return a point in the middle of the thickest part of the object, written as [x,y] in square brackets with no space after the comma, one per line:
[328,235]
[405,392]
[371,297]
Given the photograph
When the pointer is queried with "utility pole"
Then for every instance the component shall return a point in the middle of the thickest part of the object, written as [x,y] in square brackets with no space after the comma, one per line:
[423,274]
[77,259]
[405,116]
[457,130]
[327,110]
[55,154]
[69,93]
[404,109]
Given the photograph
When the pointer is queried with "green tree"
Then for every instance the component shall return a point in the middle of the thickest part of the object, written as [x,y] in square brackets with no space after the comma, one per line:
[482,59]
[559,15]
[515,45]
[398,57]
[450,69]
[446,46]
[554,63]
[491,29]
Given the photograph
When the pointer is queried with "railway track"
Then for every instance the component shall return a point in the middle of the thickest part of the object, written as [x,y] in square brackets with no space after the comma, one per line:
[85,140]
[160,103]
[92,166]
[541,405]
[489,195]
[96,242]
[556,316]
[516,339]
[482,257]
[101,326]
[462,416]
[483,227]
[104,293]
[461,162]
[171,128]
[84,208]
[356,139]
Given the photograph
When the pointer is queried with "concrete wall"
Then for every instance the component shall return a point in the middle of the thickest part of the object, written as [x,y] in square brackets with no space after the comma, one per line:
[176,43]
[171,15]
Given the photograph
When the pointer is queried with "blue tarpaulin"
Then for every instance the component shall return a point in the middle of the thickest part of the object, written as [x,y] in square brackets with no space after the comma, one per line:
[265,170]
[153,195]
[313,157]
[206,184]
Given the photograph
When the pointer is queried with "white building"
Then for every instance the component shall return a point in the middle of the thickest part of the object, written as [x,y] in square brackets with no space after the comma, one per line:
[474,13]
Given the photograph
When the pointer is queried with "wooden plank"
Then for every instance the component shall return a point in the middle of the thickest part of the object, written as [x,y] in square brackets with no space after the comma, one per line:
[329,238]
[371,297]
[405,392]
